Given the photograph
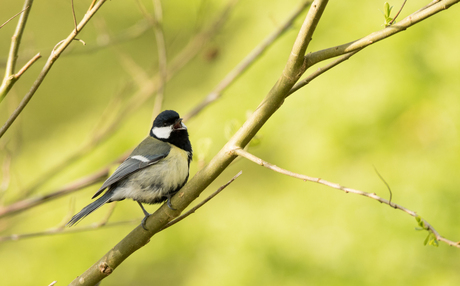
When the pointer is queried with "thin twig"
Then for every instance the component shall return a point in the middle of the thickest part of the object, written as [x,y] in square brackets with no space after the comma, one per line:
[13,17]
[74,17]
[92,5]
[105,40]
[251,157]
[162,57]
[254,55]
[386,184]
[6,172]
[195,208]
[10,79]
[53,231]
[138,237]
[27,65]
[103,223]
[146,88]
[397,14]
[70,188]
[198,42]
[49,63]
[422,14]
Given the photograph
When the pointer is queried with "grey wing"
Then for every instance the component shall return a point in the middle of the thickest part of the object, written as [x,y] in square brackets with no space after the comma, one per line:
[129,166]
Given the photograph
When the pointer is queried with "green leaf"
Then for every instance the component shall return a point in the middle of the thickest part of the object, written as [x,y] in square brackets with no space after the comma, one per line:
[386,14]
[387,9]
[433,240]
[420,222]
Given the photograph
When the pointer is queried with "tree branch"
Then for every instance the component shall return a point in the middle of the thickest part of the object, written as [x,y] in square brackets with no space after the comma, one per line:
[61,229]
[139,237]
[162,58]
[195,208]
[10,78]
[138,99]
[70,188]
[7,21]
[320,71]
[409,21]
[258,161]
[59,49]
[254,55]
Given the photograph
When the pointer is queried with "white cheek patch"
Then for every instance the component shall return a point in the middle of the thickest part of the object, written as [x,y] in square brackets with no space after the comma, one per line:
[162,132]
[140,158]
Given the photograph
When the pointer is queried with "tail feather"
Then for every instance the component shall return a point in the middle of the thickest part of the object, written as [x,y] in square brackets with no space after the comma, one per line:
[90,208]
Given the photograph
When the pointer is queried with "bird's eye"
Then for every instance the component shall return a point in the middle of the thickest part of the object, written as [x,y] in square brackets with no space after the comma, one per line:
[165,124]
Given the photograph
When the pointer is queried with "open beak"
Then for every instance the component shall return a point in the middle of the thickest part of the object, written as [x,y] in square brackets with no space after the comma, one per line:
[178,125]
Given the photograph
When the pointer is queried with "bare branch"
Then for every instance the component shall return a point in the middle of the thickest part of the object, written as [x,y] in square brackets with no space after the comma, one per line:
[162,59]
[146,88]
[74,17]
[70,188]
[10,79]
[258,161]
[139,236]
[409,21]
[27,65]
[92,5]
[195,208]
[49,63]
[254,55]
[5,176]
[7,21]
[61,228]
[397,14]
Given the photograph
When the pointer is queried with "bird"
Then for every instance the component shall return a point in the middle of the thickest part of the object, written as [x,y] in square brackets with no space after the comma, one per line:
[156,169]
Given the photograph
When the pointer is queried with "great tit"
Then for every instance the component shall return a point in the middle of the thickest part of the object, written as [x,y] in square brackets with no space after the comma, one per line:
[156,169]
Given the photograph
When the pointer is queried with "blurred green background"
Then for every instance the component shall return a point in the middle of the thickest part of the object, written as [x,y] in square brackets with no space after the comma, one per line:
[395,106]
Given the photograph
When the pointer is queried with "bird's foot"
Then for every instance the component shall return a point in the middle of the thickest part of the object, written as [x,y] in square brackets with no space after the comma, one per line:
[146,215]
[168,202]
[144,220]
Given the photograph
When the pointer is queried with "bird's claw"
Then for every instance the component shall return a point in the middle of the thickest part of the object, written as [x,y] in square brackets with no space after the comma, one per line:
[144,220]
[146,215]
[168,202]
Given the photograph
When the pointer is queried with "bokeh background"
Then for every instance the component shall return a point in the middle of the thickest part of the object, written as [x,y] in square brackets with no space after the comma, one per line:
[395,106]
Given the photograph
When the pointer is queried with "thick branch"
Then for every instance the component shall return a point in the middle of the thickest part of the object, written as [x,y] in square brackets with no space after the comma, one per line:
[254,55]
[195,208]
[320,71]
[139,237]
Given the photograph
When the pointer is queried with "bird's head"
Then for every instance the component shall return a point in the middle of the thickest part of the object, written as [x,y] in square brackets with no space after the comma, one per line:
[168,125]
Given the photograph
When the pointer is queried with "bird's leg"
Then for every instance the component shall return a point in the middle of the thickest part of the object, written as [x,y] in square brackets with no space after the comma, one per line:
[146,213]
[168,202]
